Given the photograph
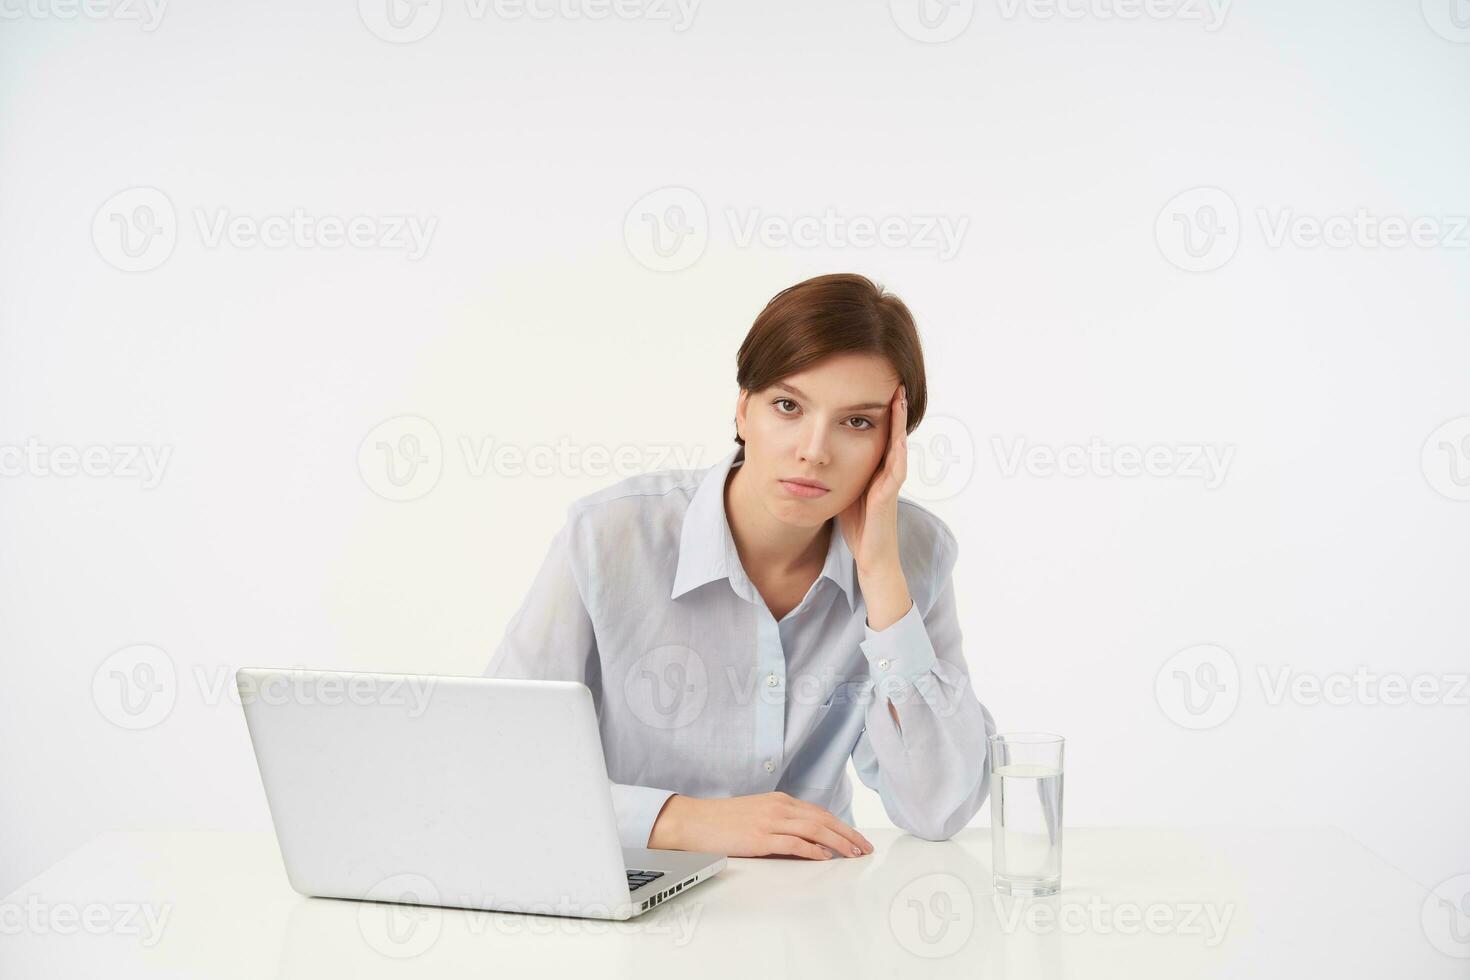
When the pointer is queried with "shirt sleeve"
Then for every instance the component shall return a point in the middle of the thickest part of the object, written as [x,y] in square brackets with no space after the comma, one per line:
[551,638]
[932,773]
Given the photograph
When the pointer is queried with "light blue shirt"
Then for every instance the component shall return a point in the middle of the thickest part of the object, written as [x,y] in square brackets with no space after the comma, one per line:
[701,691]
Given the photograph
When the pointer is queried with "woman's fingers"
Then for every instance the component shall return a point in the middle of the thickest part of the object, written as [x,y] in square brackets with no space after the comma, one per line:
[819,834]
[895,458]
[788,844]
[897,462]
[811,811]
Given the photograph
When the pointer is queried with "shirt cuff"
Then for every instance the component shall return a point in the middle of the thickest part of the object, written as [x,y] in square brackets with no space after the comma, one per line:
[637,808]
[902,651]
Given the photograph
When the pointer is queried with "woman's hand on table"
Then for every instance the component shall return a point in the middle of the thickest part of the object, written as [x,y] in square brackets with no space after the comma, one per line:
[760,825]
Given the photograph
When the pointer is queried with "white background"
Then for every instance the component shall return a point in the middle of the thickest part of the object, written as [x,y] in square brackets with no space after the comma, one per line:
[1333,543]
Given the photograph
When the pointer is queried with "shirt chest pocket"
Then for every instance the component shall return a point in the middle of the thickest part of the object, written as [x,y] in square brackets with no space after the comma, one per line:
[844,703]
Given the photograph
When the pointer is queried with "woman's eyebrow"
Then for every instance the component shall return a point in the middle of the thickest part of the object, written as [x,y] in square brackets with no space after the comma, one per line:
[851,408]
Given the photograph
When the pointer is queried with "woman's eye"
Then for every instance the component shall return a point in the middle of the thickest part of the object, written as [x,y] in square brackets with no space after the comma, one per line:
[867,423]
[784,401]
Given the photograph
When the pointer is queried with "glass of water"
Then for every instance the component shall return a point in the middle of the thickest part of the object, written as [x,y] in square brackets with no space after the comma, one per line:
[1026,812]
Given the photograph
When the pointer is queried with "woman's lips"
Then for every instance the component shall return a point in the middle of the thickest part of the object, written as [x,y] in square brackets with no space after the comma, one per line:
[802,490]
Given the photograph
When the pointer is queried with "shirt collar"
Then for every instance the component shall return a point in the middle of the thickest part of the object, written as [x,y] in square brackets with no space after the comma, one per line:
[707,548]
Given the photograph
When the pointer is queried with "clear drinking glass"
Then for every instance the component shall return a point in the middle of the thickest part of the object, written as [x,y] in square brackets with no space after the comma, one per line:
[1026,812]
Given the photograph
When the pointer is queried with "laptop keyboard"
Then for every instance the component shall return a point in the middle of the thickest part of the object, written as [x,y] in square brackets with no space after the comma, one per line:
[637,879]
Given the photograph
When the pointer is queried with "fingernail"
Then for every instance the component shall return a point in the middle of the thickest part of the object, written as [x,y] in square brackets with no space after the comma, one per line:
[826,852]
[857,851]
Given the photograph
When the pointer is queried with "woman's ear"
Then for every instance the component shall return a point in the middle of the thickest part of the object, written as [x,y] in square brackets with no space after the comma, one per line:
[740,403]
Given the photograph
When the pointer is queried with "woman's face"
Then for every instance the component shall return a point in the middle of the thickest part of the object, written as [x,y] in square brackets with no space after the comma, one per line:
[827,424]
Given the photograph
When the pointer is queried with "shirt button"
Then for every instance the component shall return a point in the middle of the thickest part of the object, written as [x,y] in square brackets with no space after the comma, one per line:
[883,664]
[771,680]
[770,766]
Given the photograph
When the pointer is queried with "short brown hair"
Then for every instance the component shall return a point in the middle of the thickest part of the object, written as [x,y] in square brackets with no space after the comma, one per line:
[833,314]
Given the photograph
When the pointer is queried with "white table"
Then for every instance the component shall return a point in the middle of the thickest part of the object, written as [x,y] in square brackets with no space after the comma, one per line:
[1134,904]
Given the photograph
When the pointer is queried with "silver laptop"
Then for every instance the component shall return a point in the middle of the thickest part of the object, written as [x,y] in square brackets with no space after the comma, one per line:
[463,792]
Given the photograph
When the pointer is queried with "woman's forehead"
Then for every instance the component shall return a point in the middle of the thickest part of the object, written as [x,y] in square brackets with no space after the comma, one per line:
[856,377]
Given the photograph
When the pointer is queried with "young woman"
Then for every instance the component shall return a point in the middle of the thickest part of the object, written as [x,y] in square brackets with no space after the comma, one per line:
[749,627]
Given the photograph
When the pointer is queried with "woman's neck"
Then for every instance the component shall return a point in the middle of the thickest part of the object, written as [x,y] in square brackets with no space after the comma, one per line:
[766,545]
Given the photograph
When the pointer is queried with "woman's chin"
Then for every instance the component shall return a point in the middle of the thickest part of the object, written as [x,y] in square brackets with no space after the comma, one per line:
[801,513]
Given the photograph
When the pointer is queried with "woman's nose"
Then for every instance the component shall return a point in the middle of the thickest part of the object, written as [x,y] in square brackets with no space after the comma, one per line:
[814,447]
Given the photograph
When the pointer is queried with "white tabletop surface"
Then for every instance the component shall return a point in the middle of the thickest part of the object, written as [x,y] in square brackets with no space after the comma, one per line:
[1134,904]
